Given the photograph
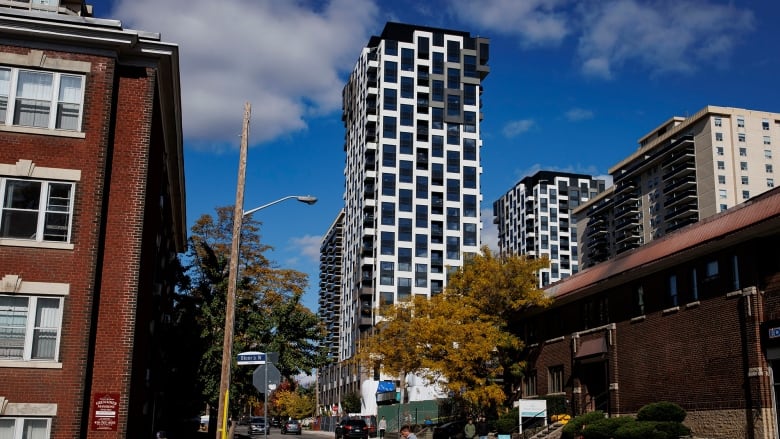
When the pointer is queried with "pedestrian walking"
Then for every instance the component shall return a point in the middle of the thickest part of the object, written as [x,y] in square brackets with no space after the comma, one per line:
[470,430]
[382,427]
[482,428]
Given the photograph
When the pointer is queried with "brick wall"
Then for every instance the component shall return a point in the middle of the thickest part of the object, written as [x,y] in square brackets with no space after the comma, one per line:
[76,267]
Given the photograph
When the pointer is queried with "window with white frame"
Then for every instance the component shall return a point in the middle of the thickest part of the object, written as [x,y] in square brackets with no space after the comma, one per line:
[743,152]
[721,179]
[744,179]
[741,137]
[41,99]
[770,182]
[721,164]
[765,124]
[767,140]
[719,150]
[718,121]
[36,210]
[722,193]
[555,379]
[29,327]
[767,153]
[25,428]
[718,137]
[740,122]
[745,195]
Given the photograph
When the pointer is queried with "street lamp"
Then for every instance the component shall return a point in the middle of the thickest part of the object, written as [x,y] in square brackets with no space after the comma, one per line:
[230,305]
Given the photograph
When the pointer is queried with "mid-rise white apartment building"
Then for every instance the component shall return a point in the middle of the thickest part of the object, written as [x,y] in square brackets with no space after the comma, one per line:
[685,170]
[534,218]
[411,110]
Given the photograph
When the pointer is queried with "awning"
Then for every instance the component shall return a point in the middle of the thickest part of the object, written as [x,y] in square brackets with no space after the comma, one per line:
[591,347]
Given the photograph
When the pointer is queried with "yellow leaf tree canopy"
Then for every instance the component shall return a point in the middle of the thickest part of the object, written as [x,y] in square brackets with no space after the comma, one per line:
[461,339]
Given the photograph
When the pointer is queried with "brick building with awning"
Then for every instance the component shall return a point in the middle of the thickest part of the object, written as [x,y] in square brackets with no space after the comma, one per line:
[692,318]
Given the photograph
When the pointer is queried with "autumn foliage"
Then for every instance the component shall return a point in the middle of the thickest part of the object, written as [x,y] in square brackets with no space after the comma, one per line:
[461,339]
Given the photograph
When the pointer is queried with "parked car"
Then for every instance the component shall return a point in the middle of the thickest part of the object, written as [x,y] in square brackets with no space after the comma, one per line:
[352,429]
[258,426]
[449,430]
[276,422]
[292,427]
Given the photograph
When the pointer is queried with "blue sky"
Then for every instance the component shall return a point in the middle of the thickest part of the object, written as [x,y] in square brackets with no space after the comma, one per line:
[573,85]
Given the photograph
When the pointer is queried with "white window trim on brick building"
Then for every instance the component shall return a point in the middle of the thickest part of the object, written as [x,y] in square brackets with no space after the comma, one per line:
[27,171]
[61,93]
[13,287]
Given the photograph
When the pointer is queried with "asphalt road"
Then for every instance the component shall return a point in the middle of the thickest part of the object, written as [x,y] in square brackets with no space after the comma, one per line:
[276,434]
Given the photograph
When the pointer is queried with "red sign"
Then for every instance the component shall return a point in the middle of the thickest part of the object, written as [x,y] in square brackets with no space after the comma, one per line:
[105,411]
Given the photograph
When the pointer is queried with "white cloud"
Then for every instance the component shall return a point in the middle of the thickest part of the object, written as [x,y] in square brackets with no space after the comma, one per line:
[285,58]
[536,22]
[517,127]
[662,36]
[308,246]
[578,114]
[489,230]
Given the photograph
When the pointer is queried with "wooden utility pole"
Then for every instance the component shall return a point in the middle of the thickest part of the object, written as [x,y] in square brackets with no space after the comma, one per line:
[230,301]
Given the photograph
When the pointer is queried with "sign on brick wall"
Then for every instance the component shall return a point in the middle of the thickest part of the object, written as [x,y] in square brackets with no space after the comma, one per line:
[105,411]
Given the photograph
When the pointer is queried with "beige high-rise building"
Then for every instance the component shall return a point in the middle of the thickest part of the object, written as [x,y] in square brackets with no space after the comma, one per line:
[685,170]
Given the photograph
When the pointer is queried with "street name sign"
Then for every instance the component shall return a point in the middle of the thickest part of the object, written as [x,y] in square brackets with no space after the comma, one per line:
[250,358]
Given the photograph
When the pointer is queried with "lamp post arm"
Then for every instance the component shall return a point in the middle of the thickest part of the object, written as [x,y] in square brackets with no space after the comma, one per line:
[251,211]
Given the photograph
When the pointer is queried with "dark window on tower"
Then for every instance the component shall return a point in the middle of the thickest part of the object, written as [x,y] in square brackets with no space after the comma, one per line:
[405,229]
[438,63]
[407,87]
[421,191]
[406,143]
[405,171]
[470,206]
[469,94]
[453,161]
[391,72]
[469,234]
[389,127]
[390,99]
[423,47]
[391,47]
[453,105]
[388,156]
[437,146]
[437,91]
[469,149]
[470,177]
[407,59]
[421,216]
[387,245]
[388,213]
[407,115]
[470,66]
[388,184]
[453,79]
[453,189]
[405,201]
[453,51]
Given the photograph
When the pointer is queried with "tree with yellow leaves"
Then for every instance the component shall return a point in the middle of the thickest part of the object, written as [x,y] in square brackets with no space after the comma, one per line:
[461,339]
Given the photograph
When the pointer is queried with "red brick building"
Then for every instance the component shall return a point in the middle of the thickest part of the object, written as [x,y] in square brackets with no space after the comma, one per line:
[91,220]
[692,318]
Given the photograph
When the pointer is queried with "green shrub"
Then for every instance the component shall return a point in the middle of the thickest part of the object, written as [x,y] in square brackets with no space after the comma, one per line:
[639,430]
[673,430]
[574,427]
[651,430]
[507,422]
[661,411]
[605,428]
